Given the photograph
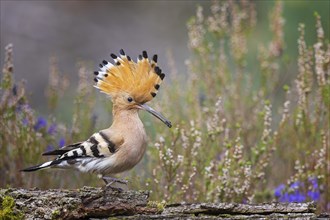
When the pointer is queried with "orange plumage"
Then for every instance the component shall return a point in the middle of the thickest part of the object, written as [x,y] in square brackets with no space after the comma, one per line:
[140,79]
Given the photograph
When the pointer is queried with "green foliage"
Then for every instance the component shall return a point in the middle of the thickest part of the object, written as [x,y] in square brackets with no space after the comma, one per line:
[239,128]
[159,205]
[237,134]
[25,136]
[55,214]
[7,211]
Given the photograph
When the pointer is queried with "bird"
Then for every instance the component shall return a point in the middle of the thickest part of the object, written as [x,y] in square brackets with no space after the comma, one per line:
[118,148]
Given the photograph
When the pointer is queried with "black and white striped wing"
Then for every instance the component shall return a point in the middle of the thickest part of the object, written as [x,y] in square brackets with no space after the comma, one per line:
[63,149]
[98,145]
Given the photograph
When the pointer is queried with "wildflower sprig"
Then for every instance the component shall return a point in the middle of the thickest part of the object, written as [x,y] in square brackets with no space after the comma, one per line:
[251,137]
[299,192]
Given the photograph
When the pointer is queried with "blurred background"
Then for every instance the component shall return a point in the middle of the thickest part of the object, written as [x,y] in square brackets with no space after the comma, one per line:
[90,30]
[247,91]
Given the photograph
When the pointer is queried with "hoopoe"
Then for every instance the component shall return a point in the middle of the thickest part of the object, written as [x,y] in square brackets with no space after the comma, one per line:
[121,146]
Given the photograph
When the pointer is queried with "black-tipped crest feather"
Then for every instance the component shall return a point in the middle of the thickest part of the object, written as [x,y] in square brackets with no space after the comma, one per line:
[135,78]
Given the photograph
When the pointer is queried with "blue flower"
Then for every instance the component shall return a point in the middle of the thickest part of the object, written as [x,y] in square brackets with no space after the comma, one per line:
[284,197]
[279,190]
[41,123]
[52,129]
[294,194]
[314,195]
[313,181]
[61,142]
[297,197]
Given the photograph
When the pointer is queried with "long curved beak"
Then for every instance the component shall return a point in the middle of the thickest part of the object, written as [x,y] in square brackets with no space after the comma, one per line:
[156,114]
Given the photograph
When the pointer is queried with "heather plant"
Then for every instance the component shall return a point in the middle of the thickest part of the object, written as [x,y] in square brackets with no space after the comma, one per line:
[25,135]
[240,134]
[243,132]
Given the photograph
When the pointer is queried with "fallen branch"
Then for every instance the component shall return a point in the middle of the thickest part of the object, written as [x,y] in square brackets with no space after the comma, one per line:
[90,202]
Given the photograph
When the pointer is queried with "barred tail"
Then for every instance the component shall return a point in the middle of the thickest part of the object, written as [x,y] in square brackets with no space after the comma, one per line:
[42,166]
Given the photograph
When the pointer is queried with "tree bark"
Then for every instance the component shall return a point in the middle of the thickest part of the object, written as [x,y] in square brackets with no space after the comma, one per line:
[99,203]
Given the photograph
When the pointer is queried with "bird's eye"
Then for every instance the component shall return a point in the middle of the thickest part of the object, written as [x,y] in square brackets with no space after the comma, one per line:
[129,99]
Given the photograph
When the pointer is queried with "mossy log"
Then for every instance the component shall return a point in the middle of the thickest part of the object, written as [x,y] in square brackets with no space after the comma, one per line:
[102,203]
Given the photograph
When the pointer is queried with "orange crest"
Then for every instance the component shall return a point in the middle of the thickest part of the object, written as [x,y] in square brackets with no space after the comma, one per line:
[141,80]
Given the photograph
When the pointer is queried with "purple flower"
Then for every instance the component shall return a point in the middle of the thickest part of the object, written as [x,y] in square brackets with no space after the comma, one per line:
[19,108]
[52,129]
[25,121]
[279,190]
[284,197]
[296,197]
[314,195]
[313,181]
[294,193]
[41,123]
[22,107]
[61,142]
[49,148]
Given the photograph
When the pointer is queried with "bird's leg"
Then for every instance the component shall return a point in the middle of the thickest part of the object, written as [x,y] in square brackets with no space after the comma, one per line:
[110,180]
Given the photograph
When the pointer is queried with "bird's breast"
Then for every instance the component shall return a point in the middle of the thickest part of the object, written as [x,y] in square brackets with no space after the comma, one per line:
[133,148]
[130,152]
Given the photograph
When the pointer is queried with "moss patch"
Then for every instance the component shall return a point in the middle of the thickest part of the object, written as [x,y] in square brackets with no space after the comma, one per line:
[7,209]
[159,205]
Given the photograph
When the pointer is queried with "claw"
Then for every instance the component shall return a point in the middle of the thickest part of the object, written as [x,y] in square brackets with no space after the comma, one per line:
[118,189]
[110,180]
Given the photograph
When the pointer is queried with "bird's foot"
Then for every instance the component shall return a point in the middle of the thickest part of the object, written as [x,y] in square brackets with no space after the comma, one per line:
[111,183]
[110,180]
[113,188]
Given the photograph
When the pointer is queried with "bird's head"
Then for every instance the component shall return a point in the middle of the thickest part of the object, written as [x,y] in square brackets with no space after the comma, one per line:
[131,84]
